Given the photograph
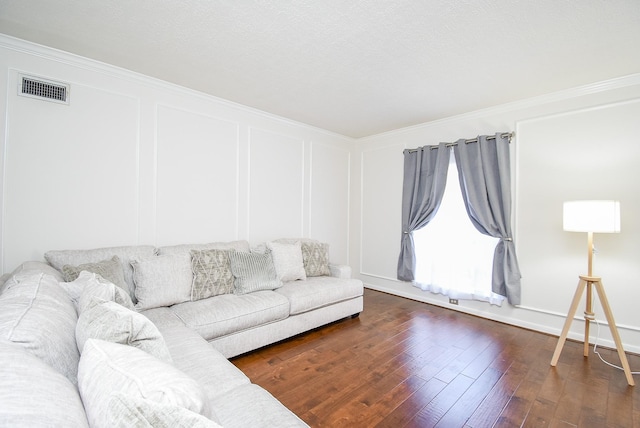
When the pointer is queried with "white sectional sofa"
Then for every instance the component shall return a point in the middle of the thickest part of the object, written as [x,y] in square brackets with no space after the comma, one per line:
[140,336]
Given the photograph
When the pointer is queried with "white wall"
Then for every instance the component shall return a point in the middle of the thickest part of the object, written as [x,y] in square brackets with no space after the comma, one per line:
[132,160]
[578,144]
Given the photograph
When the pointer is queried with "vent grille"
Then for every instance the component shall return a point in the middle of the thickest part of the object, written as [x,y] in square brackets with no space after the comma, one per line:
[43,89]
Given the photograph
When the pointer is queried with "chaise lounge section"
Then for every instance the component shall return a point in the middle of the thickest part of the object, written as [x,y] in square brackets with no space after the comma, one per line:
[164,321]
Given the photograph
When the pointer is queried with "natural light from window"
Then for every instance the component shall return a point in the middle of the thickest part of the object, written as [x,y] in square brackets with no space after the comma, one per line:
[452,257]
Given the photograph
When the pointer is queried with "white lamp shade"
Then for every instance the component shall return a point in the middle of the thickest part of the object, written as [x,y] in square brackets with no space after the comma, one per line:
[591,216]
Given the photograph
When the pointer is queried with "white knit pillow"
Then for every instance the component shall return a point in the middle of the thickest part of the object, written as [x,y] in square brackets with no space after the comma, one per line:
[107,367]
[114,323]
[287,259]
[162,280]
[127,411]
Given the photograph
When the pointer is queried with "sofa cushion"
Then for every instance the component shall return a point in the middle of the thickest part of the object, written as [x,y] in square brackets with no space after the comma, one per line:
[33,394]
[287,259]
[39,315]
[253,272]
[186,248]
[319,291]
[107,367]
[252,406]
[211,273]
[229,313]
[88,286]
[111,270]
[114,323]
[59,258]
[196,357]
[162,280]
[125,411]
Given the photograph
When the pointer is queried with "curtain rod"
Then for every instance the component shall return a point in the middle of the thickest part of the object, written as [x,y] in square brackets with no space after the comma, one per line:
[472,140]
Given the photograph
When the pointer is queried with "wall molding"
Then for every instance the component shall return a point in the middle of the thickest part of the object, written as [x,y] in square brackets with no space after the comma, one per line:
[92,65]
[540,100]
[576,333]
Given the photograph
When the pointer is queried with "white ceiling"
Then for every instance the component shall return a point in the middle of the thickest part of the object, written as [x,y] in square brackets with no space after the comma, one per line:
[354,67]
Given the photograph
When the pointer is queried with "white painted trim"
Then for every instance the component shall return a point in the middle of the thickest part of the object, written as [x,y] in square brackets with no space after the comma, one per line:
[3,173]
[578,111]
[67,58]
[563,95]
[542,328]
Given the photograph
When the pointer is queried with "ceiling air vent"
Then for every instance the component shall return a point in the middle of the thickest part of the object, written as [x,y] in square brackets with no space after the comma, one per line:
[43,89]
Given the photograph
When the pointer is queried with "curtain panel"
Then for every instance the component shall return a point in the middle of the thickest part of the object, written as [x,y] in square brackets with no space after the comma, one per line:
[485,182]
[425,177]
[484,169]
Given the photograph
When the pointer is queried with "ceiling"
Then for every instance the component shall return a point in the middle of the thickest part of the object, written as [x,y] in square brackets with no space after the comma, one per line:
[353,67]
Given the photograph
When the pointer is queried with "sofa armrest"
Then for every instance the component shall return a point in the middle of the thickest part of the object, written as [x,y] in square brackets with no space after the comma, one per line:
[4,278]
[340,271]
[35,266]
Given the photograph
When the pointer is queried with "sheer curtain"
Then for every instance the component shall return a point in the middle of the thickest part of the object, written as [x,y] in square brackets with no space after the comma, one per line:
[452,257]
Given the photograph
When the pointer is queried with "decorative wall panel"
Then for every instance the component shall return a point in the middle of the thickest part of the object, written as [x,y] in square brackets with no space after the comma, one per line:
[196,177]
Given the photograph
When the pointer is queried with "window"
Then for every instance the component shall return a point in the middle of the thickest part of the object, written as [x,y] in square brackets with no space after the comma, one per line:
[452,257]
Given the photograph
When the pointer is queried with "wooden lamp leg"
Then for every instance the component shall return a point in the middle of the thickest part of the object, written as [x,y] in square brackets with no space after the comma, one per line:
[588,282]
[567,324]
[614,330]
[588,317]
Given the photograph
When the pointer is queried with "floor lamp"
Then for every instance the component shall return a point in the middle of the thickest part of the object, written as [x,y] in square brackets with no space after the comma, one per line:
[592,217]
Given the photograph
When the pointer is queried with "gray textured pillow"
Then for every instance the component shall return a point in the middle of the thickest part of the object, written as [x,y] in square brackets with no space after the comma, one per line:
[38,315]
[162,280]
[91,285]
[211,273]
[111,270]
[126,411]
[59,258]
[253,272]
[107,367]
[288,261]
[114,323]
[315,256]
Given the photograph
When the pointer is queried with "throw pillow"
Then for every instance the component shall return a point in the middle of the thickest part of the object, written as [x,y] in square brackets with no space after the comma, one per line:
[107,367]
[91,285]
[125,411]
[253,272]
[288,261]
[114,323]
[211,273]
[162,280]
[315,256]
[59,258]
[111,270]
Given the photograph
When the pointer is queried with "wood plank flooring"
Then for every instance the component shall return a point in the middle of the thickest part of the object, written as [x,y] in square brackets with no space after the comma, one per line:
[404,363]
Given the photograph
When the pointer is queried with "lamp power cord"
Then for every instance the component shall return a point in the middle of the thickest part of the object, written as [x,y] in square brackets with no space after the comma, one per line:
[595,348]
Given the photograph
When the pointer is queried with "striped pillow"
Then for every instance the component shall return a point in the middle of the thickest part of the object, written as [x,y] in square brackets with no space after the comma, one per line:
[253,272]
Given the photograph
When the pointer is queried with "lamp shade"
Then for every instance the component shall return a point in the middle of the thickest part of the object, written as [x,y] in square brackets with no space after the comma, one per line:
[591,216]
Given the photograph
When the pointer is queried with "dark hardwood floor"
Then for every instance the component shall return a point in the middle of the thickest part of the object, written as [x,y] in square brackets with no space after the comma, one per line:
[404,363]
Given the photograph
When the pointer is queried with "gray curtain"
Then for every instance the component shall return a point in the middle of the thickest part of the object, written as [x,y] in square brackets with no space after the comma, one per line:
[485,181]
[425,176]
